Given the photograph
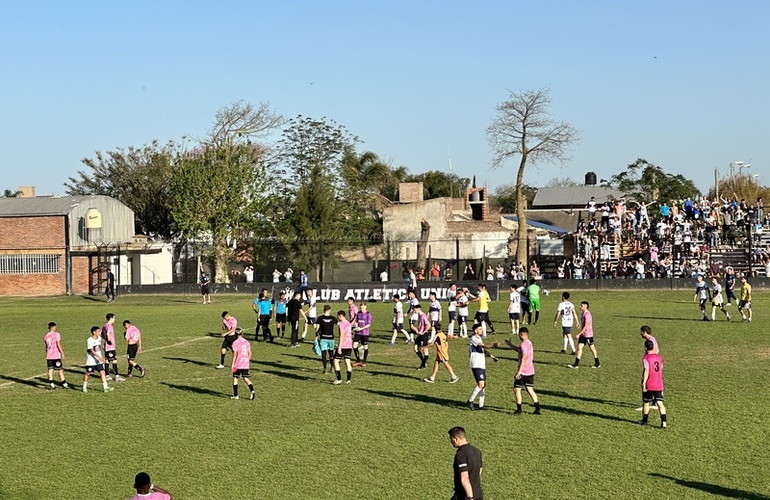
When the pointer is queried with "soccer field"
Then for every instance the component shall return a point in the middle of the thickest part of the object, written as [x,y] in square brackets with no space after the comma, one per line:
[385,435]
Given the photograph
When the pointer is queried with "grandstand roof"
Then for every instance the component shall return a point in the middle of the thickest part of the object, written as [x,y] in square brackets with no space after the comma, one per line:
[573,197]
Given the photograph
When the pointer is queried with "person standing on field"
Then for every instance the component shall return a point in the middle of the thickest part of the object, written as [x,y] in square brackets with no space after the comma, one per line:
[478,351]
[585,337]
[442,356]
[54,355]
[229,323]
[145,490]
[110,347]
[363,323]
[525,374]
[94,359]
[652,384]
[566,310]
[205,283]
[533,294]
[325,336]
[241,360]
[294,310]
[744,306]
[467,467]
[514,309]
[279,310]
[344,348]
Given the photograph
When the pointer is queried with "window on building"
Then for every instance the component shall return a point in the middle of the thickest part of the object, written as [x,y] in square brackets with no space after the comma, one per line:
[29,264]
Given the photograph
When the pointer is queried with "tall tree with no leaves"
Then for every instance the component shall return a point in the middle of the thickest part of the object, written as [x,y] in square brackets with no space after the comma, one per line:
[523,128]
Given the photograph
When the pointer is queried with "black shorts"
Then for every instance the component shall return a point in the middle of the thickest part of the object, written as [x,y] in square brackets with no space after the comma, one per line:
[462,319]
[311,321]
[702,303]
[566,330]
[452,315]
[524,381]
[514,316]
[205,290]
[480,374]
[586,340]
[398,326]
[264,320]
[420,340]
[744,304]
[524,307]
[652,396]
[280,317]
[227,342]
[132,350]
[95,368]
[110,355]
[361,339]
[345,353]
[481,316]
[53,364]
[243,372]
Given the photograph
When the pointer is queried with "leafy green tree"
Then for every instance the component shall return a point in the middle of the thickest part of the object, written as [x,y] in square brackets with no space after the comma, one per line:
[523,129]
[645,183]
[219,188]
[373,180]
[437,184]
[319,215]
[505,196]
[10,193]
[139,177]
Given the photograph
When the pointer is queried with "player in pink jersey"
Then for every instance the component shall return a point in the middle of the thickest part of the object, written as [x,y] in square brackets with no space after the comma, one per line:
[134,338]
[646,332]
[229,323]
[652,384]
[585,337]
[110,348]
[145,490]
[241,360]
[525,375]
[344,348]
[363,322]
[53,355]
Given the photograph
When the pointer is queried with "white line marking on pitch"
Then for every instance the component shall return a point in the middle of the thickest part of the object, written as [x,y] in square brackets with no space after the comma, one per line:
[196,339]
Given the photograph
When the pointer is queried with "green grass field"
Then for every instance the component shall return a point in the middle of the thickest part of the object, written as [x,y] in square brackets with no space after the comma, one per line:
[384,436]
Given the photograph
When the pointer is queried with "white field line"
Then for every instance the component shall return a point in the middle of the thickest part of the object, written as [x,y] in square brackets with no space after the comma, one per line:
[178,344]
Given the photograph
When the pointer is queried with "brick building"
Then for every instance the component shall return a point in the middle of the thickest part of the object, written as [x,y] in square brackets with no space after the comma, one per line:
[61,245]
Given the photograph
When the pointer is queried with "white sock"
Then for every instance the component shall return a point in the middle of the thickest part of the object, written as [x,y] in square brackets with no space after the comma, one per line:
[484,329]
[565,343]
[451,328]
[85,385]
[571,343]
[475,393]
[393,338]
[482,395]
[104,384]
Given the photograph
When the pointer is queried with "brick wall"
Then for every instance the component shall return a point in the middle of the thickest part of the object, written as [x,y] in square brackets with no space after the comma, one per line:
[81,266]
[33,235]
[409,192]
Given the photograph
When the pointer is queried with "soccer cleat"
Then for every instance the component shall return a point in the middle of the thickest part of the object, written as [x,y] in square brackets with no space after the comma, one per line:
[563,351]
[218,367]
[728,316]
[391,343]
[536,412]
[109,378]
[52,386]
[454,379]
[85,389]
[65,385]
[253,395]
[573,367]
[337,382]
[108,389]
[481,408]
[347,382]
[143,372]
[428,380]
[643,422]
[663,425]
[596,366]
[516,413]
[705,318]
[234,397]
[118,378]
[471,406]
[130,375]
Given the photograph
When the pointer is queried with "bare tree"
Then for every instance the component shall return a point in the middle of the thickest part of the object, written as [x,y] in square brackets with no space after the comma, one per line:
[244,120]
[523,127]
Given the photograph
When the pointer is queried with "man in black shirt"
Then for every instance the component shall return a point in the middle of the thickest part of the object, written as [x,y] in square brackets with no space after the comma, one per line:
[325,335]
[467,467]
[293,310]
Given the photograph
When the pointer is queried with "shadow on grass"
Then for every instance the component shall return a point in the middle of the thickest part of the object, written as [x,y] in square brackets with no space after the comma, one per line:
[92,298]
[288,375]
[300,356]
[574,411]
[392,374]
[190,361]
[554,363]
[421,398]
[661,318]
[562,394]
[79,371]
[713,488]
[193,389]
[35,382]
[215,334]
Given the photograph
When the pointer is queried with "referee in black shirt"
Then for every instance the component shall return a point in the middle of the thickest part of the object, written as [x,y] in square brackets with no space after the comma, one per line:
[467,467]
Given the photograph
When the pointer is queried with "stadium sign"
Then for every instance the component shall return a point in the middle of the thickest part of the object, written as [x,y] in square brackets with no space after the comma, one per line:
[372,293]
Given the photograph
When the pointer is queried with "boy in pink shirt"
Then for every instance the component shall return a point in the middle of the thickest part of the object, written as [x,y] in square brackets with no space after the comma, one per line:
[54,355]
[241,359]
[652,384]
[110,348]
[344,349]
[229,324]
[585,337]
[145,490]
[525,375]
[134,338]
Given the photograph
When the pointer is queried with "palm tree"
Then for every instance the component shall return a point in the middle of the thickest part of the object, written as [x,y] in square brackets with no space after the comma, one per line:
[372,178]
[11,194]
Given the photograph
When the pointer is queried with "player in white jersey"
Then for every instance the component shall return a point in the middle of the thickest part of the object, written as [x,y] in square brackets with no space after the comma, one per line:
[514,309]
[451,309]
[716,299]
[434,314]
[566,310]
[478,351]
[94,359]
[398,321]
[462,311]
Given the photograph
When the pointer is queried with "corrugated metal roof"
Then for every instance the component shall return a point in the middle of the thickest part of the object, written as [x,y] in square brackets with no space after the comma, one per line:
[539,225]
[576,197]
[19,207]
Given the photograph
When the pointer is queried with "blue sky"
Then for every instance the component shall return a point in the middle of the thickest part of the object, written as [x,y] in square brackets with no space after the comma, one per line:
[682,84]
